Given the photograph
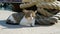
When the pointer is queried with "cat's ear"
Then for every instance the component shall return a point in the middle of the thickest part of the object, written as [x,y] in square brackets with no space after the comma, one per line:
[25,11]
[35,11]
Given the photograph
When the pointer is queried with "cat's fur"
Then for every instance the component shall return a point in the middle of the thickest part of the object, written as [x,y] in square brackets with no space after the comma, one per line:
[15,18]
[28,18]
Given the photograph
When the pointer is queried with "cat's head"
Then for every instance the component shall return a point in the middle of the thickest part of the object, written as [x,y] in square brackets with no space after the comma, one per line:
[29,14]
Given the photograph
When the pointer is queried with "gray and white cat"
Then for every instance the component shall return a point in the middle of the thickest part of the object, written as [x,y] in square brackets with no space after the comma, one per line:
[27,18]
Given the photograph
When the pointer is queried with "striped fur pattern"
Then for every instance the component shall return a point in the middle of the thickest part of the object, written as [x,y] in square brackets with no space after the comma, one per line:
[57,16]
[48,20]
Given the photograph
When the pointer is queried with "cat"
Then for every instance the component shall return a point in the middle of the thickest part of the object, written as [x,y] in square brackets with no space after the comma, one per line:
[26,18]
[29,18]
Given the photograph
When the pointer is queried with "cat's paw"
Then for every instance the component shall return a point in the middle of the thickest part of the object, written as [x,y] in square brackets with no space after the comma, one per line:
[32,25]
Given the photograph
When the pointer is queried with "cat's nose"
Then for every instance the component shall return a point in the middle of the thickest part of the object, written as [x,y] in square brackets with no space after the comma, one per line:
[31,17]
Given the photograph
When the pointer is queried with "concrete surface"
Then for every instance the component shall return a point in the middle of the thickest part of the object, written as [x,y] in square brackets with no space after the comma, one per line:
[17,29]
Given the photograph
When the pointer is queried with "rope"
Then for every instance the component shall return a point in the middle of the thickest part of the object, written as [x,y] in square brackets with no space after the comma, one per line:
[48,4]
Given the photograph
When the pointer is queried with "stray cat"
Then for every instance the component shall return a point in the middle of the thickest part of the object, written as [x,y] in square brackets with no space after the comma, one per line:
[28,18]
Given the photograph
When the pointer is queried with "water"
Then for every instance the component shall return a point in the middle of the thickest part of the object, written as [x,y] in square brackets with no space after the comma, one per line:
[7,7]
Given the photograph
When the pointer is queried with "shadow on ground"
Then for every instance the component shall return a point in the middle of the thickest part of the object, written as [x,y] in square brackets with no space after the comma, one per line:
[3,23]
